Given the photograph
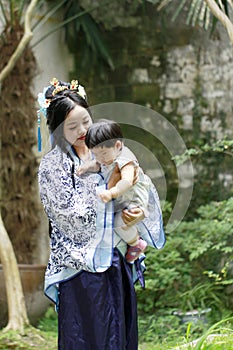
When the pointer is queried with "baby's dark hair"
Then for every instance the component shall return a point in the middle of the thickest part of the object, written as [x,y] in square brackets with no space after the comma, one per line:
[103,133]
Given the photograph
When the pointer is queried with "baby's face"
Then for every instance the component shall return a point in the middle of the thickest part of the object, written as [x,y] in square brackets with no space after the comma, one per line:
[106,155]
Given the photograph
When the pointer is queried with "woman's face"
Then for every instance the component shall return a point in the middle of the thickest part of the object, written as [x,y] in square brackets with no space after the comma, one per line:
[76,125]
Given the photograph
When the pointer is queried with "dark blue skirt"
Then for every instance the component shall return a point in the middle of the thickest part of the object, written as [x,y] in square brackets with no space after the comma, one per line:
[98,311]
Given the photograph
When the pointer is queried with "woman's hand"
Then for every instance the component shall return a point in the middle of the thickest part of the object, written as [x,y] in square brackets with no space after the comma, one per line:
[132,216]
[116,176]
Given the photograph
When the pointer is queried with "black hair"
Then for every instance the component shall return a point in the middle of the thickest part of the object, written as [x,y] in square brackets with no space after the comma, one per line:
[103,133]
[60,106]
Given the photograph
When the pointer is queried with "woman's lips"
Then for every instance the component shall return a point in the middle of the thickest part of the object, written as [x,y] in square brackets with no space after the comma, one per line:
[81,138]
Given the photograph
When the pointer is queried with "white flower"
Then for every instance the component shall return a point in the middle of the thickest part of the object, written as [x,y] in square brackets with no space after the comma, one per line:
[82,92]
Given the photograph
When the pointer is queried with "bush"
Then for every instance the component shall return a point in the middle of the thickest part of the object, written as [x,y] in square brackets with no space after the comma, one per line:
[194,269]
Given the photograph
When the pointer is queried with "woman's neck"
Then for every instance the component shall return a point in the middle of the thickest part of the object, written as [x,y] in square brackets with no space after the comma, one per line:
[83,152]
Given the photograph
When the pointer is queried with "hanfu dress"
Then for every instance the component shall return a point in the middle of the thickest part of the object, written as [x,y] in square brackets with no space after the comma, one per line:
[87,276]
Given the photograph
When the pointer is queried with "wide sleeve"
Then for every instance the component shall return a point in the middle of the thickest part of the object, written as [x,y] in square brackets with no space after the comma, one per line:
[71,210]
[151,228]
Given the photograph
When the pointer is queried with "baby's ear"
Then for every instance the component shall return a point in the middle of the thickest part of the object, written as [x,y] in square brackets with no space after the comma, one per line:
[118,145]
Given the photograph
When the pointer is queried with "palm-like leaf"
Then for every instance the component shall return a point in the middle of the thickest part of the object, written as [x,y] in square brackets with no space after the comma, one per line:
[12,10]
[198,11]
[76,21]
[48,14]
[95,49]
[3,10]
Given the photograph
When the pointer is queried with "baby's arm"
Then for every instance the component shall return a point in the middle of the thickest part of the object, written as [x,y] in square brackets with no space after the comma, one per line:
[126,182]
[91,166]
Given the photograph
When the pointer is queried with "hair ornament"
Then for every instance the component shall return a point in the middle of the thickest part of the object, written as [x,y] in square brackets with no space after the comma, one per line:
[81,91]
[38,132]
[58,89]
[74,85]
[54,82]
[43,102]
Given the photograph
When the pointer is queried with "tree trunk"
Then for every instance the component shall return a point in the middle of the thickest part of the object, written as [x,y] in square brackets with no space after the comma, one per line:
[17,314]
[22,44]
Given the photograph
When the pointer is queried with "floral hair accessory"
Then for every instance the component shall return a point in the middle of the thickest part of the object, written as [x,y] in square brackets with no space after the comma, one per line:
[74,85]
[59,89]
[43,102]
[81,91]
[54,82]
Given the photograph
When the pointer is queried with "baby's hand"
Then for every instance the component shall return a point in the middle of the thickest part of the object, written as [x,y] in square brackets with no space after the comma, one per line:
[82,169]
[90,166]
[105,196]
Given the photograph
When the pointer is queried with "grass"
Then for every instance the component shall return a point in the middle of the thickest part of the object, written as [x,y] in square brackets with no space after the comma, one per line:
[33,339]
[44,336]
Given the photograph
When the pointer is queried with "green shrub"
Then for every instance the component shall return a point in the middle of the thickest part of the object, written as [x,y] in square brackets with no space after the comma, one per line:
[194,268]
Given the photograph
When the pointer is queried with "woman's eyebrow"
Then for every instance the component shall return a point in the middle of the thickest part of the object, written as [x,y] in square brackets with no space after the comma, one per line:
[71,123]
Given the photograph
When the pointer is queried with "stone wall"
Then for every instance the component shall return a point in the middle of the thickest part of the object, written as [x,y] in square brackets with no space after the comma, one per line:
[178,71]
[212,68]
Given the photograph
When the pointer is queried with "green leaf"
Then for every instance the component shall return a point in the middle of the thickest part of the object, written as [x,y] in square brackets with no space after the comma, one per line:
[95,39]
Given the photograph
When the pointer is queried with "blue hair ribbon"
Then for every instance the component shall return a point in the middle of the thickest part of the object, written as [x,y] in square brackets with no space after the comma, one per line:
[39,139]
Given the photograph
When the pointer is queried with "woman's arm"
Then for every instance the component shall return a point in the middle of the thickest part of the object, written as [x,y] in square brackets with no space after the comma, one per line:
[71,210]
[132,216]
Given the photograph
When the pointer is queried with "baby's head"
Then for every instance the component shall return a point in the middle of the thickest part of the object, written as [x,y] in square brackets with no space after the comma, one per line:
[104,138]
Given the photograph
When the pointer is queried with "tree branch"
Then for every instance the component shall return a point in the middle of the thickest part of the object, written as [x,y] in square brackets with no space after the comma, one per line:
[222,17]
[23,42]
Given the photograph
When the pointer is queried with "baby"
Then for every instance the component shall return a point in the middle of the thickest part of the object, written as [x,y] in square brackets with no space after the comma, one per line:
[104,139]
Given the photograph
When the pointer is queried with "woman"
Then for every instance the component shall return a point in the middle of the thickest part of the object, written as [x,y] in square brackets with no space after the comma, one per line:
[87,275]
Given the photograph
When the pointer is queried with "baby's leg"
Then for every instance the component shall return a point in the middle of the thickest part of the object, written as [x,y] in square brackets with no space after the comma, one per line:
[129,234]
